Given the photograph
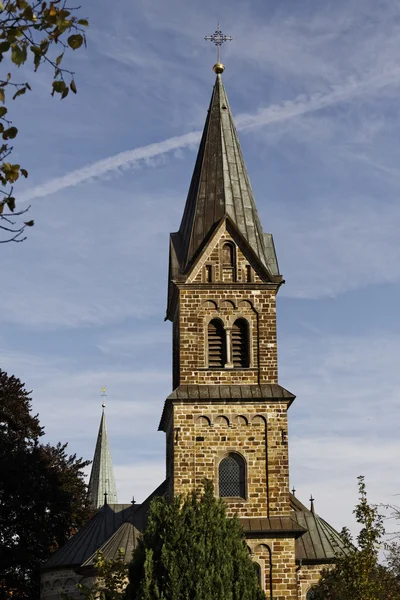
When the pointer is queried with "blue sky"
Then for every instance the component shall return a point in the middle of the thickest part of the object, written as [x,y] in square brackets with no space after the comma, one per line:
[314,89]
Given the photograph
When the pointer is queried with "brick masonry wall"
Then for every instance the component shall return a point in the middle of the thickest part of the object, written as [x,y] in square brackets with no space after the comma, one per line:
[201,435]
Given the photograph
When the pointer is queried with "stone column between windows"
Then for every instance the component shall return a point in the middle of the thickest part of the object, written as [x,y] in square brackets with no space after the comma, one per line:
[229,357]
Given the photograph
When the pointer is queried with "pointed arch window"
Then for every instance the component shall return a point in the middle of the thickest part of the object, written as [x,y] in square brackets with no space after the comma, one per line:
[240,344]
[311,594]
[216,344]
[231,476]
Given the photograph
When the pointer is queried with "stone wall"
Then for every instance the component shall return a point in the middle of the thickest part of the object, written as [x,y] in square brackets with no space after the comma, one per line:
[199,302]
[278,568]
[199,436]
[54,583]
[307,577]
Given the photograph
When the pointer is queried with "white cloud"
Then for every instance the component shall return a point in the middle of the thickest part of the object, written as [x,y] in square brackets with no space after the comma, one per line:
[287,110]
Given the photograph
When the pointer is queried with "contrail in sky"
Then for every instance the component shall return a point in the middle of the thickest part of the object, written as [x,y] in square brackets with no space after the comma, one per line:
[272,114]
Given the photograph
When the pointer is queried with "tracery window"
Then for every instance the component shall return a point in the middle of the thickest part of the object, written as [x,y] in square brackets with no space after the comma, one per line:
[240,344]
[231,476]
[216,344]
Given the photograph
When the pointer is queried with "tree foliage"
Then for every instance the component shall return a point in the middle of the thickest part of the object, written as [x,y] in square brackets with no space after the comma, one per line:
[191,549]
[42,493]
[111,578]
[357,574]
[37,33]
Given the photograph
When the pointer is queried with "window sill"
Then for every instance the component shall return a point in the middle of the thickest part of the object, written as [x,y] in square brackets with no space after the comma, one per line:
[233,499]
[227,370]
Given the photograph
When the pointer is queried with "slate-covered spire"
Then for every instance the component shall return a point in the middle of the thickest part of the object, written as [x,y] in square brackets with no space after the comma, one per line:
[102,480]
[221,187]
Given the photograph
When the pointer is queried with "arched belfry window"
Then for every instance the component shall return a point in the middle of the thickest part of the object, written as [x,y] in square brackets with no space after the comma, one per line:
[216,344]
[231,477]
[228,255]
[240,344]
[311,594]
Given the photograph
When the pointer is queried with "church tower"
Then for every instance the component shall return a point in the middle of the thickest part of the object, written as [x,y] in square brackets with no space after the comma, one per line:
[226,419]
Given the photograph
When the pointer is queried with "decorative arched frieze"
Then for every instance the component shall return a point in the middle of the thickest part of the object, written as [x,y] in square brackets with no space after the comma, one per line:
[240,420]
[258,420]
[221,420]
[209,305]
[203,420]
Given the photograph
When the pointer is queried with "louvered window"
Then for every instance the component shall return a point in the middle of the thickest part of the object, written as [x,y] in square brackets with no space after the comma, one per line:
[240,343]
[231,476]
[216,344]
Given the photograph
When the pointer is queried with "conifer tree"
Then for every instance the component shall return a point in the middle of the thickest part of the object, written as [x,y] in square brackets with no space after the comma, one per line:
[190,549]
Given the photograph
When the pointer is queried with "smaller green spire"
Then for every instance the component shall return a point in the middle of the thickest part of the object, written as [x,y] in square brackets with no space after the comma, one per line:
[102,480]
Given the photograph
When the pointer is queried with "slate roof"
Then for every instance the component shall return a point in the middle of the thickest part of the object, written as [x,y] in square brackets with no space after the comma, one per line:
[321,542]
[220,184]
[91,537]
[102,474]
[204,393]
[125,538]
[114,526]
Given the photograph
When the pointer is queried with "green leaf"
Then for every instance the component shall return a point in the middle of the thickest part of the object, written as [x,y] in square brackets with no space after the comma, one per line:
[10,201]
[29,223]
[4,47]
[3,111]
[10,133]
[75,41]
[28,87]
[65,93]
[73,86]
[58,87]
[2,95]
[28,14]
[83,22]
[18,54]
[20,92]
[24,172]
[59,59]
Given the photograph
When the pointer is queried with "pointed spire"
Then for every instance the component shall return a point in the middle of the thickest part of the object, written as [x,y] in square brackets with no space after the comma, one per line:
[102,483]
[221,187]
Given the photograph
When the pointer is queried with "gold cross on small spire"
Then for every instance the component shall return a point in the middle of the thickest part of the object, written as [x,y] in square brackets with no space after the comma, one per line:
[218,38]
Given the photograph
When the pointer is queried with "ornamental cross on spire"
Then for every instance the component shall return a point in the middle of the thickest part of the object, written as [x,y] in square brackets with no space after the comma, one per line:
[218,38]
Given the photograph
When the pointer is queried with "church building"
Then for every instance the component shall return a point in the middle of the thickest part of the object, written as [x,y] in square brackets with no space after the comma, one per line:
[227,417]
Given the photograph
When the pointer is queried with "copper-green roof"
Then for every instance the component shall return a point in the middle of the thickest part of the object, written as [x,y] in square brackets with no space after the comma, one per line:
[102,480]
[321,542]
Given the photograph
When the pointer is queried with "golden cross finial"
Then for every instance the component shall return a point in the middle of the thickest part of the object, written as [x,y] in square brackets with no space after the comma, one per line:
[103,395]
[218,38]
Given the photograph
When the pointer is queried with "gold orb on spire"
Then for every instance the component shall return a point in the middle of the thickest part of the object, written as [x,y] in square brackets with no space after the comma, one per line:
[218,68]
